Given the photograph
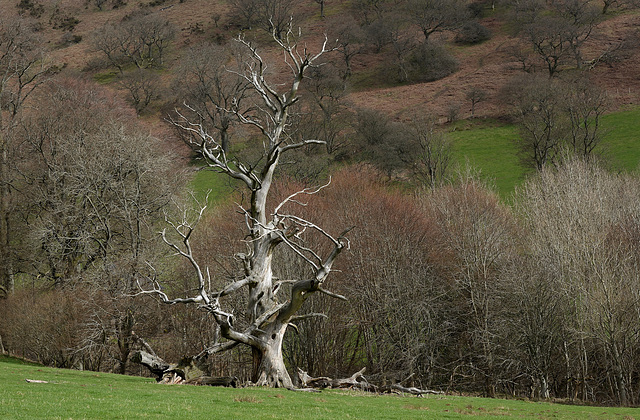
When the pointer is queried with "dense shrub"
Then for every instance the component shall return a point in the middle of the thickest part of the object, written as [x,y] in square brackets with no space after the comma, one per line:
[472,33]
[431,61]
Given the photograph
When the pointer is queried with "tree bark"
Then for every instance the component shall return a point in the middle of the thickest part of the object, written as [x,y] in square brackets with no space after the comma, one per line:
[156,365]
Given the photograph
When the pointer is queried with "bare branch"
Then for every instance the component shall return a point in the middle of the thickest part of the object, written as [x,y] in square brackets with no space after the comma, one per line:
[333,295]
[307,316]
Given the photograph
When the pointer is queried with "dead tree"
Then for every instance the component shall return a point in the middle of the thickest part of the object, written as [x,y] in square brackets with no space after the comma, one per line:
[268,313]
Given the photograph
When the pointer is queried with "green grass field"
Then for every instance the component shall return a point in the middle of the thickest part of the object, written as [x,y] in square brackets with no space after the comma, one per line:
[491,150]
[489,147]
[88,395]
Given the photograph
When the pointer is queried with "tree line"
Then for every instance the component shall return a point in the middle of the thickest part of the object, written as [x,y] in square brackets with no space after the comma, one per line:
[449,288]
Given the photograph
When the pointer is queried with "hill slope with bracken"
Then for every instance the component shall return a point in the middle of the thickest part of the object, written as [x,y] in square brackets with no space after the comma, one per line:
[67,26]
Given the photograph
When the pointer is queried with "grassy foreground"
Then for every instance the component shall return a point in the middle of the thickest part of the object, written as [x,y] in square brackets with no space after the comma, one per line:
[88,395]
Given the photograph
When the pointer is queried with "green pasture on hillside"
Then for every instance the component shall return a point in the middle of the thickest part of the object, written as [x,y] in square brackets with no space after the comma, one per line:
[492,151]
[622,139]
[72,394]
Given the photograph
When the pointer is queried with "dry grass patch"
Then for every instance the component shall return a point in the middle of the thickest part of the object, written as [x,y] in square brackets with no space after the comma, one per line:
[247,398]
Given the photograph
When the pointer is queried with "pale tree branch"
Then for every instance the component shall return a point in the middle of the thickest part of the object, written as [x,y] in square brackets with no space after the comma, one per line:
[307,316]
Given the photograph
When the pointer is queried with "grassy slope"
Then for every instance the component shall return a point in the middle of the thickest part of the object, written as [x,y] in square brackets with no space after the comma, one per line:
[74,395]
[491,149]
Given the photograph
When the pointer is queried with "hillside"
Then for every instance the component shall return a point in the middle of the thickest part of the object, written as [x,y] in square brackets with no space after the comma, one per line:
[487,65]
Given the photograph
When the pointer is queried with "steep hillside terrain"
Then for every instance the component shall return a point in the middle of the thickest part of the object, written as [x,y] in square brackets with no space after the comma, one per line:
[487,65]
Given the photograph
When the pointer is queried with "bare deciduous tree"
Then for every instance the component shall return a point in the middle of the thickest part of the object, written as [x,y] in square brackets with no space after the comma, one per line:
[142,86]
[585,106]
[327,91]
[582,221]
[477,232]
[268,316]
[139,40]
[538,106]
[350,41]
[475,95]
[556,118]
[22,69]
[558,30]
[432,156]
[211,90]
[433,16]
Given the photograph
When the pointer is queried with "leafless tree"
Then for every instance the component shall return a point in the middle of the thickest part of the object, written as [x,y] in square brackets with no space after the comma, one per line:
[581,17]
[139,40]
[556,118]
[432,157]
[581,219]
[23,67]
[351,39]
[142,86]
[327,92]
[477,232]
[322,4]
[607,4]
[275,16]
[94,188]
[558,30]
[538,108]
[268,316]
[211,90]
[433,16]
[475,95]
[548,36]
[245,12]
[369,11]
[585,106]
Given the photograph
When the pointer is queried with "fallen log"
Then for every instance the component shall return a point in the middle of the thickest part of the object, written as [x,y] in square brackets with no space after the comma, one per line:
[36,381]
[357,380]
[227,381]
[412,390]
[156,365]
[185,372]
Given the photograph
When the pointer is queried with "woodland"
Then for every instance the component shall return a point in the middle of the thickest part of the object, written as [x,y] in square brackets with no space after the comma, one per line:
[268,191]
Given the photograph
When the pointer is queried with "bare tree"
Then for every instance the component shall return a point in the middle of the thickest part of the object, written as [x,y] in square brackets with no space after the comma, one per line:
[581,17]
[275,16]
[350,41]
[585,106]
[268,317]
[142,86]
[369,11]
[477,232]
[607,4]
[322,4]
[433,16]
[538,107]
[557,118]
[327,92]
[581,221]
[548,36]
[245,12]
[475,95]
[22,70]
[432,157]
[210,90]
[558,30]
[139,40]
